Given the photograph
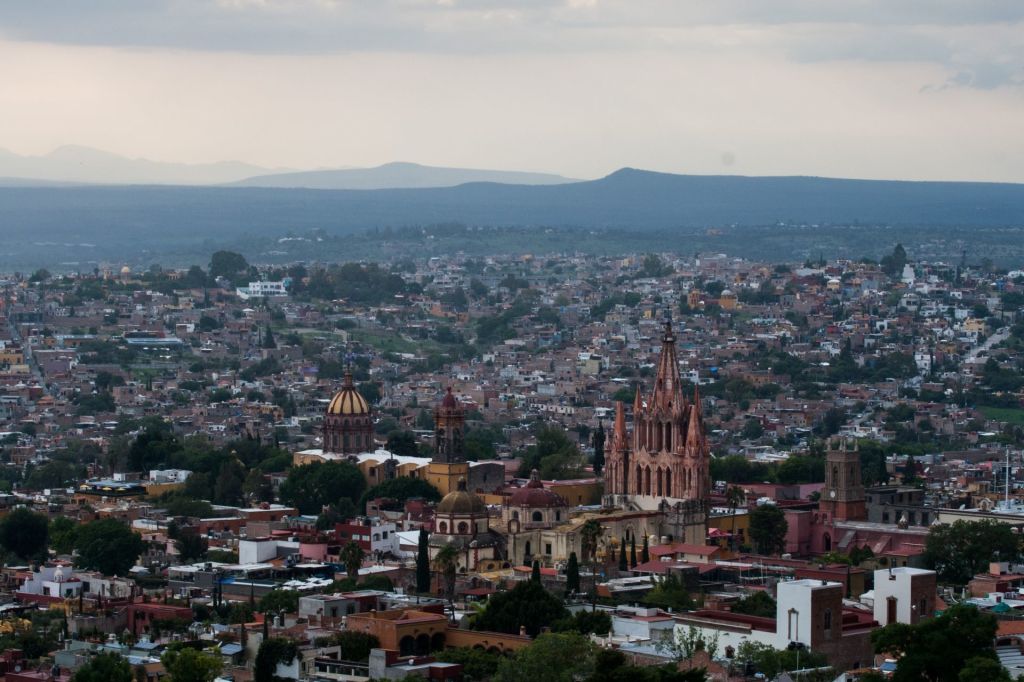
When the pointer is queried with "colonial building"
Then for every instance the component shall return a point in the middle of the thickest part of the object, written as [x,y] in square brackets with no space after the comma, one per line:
[463,521]
[663,463]
[531,516]
[348,423]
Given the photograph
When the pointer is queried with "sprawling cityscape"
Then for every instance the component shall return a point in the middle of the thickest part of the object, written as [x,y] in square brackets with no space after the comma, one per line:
[511,341]
[678,467]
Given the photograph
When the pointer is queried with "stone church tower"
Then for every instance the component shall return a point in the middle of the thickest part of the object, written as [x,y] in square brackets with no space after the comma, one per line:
[448,465]
[663,462]
[843,495]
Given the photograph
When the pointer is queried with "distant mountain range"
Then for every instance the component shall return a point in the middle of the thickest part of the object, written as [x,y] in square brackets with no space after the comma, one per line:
[399,175]
[628,199]
[76,164]
[73,164]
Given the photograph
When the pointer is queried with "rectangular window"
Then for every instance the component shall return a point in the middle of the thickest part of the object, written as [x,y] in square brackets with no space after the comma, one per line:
[547,548]
[793,632]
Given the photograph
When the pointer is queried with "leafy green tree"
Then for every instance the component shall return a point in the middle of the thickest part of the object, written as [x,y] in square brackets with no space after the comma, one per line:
[553,454]
[62,535]
[572,574]
[104,667]
[962,549]
[768,529]
[280,600]
[477,665]
[423,563]
[400,489]
[352,556]
[107,546]
[527,604]
[585,622]
[314,486]
[552,657]
[24,533]
[752,429]
[771,661]
[271,652]
[939,649]
[228,264]
[355,645]
[228,488]
[669,593]
[983,669]
[186,664]
[611,665]
[402,443]
[757,604]
[191,546]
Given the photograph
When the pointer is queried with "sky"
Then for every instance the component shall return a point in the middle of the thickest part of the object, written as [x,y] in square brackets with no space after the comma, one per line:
[900,89]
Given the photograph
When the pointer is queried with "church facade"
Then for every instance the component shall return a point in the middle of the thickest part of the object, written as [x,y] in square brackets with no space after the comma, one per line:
[662,461]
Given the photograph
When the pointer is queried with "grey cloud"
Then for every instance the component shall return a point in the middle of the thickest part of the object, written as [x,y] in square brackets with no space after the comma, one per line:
[803,30]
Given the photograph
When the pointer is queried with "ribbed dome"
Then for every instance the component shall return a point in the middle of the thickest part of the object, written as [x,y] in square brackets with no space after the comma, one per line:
[449,402]
[348,400]
[534,495]
[461,501]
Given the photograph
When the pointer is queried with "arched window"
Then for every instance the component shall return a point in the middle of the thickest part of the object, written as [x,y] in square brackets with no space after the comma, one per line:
[537,517]
[442,527]
[463,528]
[639,485]
[515,515]
[668,482]
[659,482]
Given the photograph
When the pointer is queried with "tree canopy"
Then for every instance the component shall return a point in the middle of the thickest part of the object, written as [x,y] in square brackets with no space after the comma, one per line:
[768,528]
[104,667]
[314,486]
[186,664]
[938,649]
[107,546]
[400,489]
[527,604]
[24,533]
[962,549]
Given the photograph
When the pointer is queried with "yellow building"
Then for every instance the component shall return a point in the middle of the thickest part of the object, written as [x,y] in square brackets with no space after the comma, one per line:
[728,300]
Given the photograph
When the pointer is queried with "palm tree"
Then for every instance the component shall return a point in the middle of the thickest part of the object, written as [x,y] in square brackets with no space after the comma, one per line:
[733,498]
[352,556]
[590,532]
[446,562]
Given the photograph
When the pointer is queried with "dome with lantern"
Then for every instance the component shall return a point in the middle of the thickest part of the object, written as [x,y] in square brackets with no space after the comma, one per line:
[348,421]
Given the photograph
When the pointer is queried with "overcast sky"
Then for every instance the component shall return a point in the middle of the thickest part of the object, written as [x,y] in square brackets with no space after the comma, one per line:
[930,89]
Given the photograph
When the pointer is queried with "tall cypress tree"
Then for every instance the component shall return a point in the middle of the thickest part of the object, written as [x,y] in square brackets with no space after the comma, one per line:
[535,573]
[632,552]
[572,574]
[599,438]
[622,555]
[423,563]
[645,555]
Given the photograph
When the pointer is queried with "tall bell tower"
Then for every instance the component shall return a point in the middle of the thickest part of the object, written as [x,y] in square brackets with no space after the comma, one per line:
[843,495]
[448,465]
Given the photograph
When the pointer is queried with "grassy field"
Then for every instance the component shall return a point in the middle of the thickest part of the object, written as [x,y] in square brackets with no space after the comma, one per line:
[1004,414]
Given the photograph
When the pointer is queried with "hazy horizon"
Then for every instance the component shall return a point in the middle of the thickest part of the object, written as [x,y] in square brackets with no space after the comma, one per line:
[579,88]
